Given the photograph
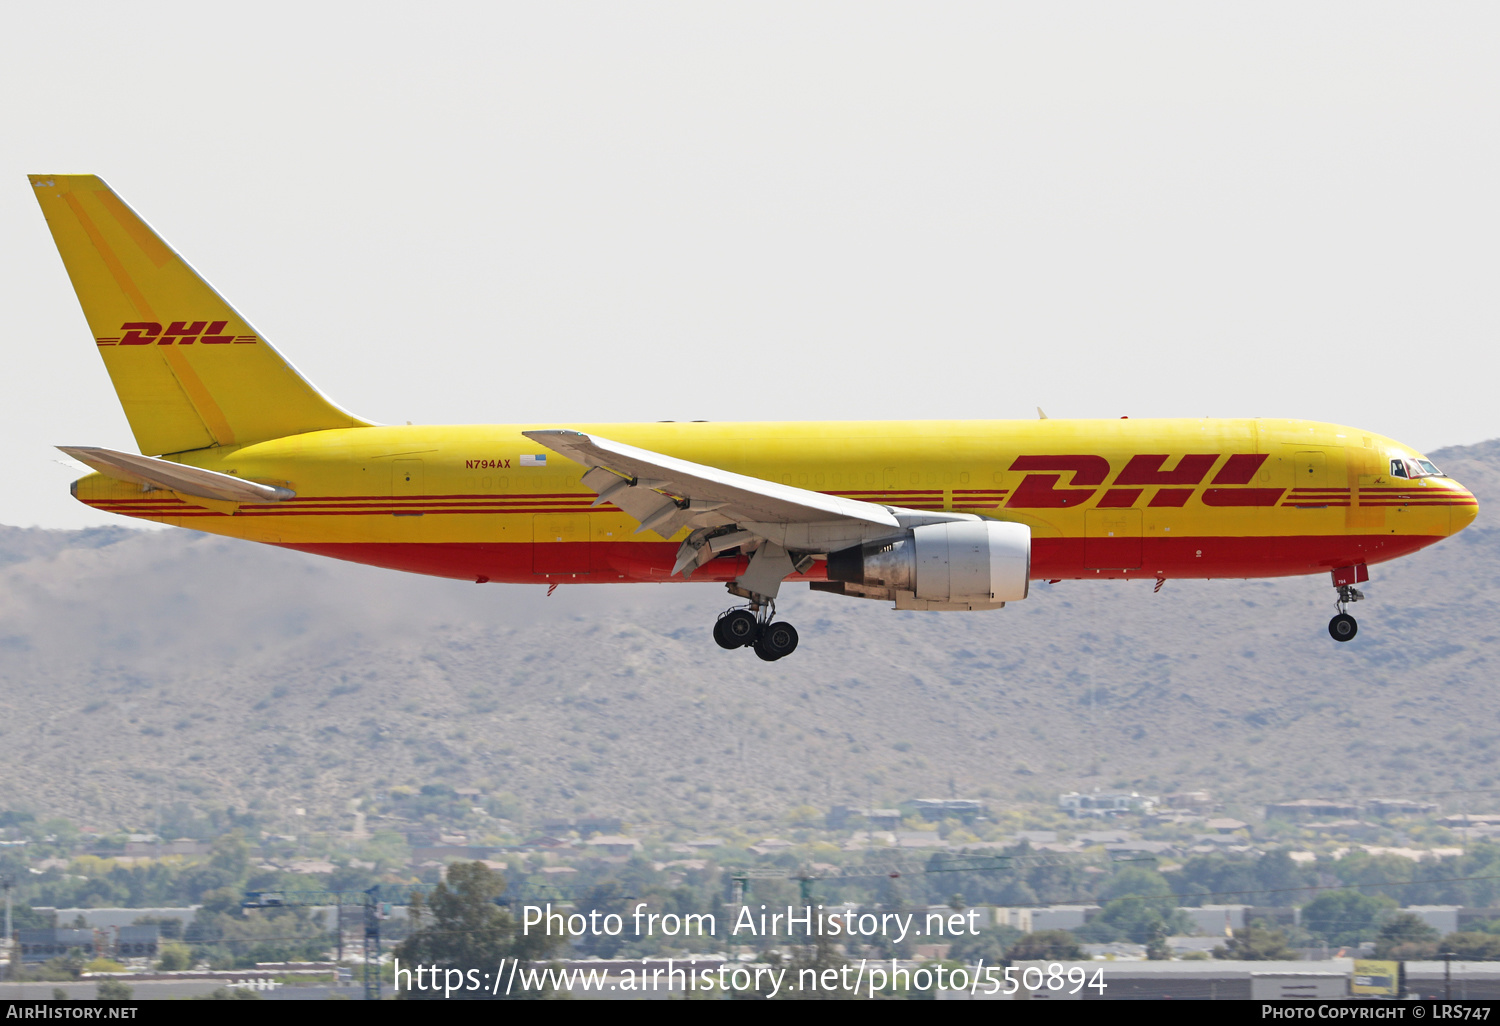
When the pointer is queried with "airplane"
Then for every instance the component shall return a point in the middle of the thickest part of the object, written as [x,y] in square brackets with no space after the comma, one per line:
[928,515]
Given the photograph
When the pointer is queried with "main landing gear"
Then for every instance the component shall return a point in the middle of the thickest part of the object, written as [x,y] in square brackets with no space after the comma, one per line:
[753,627]
[1343,626]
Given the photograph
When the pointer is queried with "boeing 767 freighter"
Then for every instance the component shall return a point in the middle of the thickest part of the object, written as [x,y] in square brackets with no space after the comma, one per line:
[936,515]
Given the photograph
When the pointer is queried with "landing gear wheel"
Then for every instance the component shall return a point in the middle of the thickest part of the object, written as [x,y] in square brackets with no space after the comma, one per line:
[1343,627]
[735,629]
[776,641]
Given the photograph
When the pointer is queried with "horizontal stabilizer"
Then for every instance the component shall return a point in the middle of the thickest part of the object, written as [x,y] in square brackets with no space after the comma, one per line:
[150,472]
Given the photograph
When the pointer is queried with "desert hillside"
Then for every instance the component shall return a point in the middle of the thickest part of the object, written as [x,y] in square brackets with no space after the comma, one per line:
[146,666]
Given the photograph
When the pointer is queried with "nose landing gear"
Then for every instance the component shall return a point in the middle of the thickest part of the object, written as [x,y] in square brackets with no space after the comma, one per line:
[754,628]
[1343,627]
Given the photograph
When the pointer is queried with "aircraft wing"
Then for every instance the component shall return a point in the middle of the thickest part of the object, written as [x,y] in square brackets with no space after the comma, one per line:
[150,472]
[727,510]
[695,486]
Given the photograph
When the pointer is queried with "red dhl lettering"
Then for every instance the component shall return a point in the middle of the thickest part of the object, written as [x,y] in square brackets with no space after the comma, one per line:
[1146,470]
[1040,491]
[181,333]
[1089,472]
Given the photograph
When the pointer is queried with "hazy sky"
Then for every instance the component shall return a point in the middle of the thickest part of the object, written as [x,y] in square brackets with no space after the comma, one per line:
[554,212]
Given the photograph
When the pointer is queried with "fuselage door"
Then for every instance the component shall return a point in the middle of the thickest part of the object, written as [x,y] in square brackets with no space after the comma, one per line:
[1311,469]
[406,477]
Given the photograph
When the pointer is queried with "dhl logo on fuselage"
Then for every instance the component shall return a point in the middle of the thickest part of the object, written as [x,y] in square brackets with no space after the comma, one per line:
[1173,487]
[182,333]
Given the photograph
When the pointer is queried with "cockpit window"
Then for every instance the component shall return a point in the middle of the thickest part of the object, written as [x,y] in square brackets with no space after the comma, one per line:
[1414,468]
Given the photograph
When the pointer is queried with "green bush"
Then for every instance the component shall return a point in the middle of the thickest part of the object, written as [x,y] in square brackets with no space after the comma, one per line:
[115,990]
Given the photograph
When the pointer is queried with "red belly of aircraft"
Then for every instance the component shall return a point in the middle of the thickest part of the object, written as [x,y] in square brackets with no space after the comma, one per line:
[1052,558]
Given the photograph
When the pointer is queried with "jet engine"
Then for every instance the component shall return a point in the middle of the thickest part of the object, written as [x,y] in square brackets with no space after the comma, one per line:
[962,565]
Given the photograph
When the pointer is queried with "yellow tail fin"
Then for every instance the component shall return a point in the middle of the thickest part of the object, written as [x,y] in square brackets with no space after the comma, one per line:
[189,370]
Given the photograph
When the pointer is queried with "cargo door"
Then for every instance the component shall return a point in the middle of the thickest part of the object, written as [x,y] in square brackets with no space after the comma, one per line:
[1112,539]
[406,477]
[1310,469]
[560,543]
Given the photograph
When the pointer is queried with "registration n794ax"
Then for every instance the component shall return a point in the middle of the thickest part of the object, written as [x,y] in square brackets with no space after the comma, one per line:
[939,515]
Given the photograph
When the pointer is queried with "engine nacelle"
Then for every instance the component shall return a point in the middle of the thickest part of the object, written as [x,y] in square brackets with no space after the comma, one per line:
[960,565]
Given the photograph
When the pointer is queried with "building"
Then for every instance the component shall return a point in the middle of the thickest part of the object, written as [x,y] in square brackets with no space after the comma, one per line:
[112,918]
[1307,808]
[1062,917]
[1216,920]
[1226,825]
[848,817]
[1049,917]
[613,844]
[137,941]
[600,825]
[147,845]
[1105,803]
[40,945]
[1442,918]
[1189,801]
[1400,807]
[935,810]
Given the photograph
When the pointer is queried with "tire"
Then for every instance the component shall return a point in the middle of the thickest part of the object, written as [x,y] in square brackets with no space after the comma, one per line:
[1343,627]
[777,641]
[736,629]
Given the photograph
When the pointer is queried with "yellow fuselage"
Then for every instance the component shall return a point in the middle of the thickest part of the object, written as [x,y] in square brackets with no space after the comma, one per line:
[1103,498]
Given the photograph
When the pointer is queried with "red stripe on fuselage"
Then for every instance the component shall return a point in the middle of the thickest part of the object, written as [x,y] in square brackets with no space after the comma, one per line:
[614,562]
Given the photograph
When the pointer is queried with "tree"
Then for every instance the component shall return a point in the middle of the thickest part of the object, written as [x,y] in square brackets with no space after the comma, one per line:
[115,990]
[175,957]
[1346,917]
[231,854]
[1140,919]
[1017,893]
[24,917]
[1135,881]
[1098,931]
[1406,937]
[1256,943]
[1276,871]
[459,926]
[605,897]
[1479,946]
[1156,944]
[1057,945]
[989,944]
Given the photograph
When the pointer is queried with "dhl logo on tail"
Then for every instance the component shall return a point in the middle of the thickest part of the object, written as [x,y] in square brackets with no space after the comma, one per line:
[182,333]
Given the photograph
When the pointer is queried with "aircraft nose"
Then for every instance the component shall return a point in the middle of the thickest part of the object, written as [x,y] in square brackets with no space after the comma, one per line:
[1463,510]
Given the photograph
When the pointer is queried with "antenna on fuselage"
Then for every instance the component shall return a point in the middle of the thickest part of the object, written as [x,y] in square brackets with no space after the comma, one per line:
[1041,414]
